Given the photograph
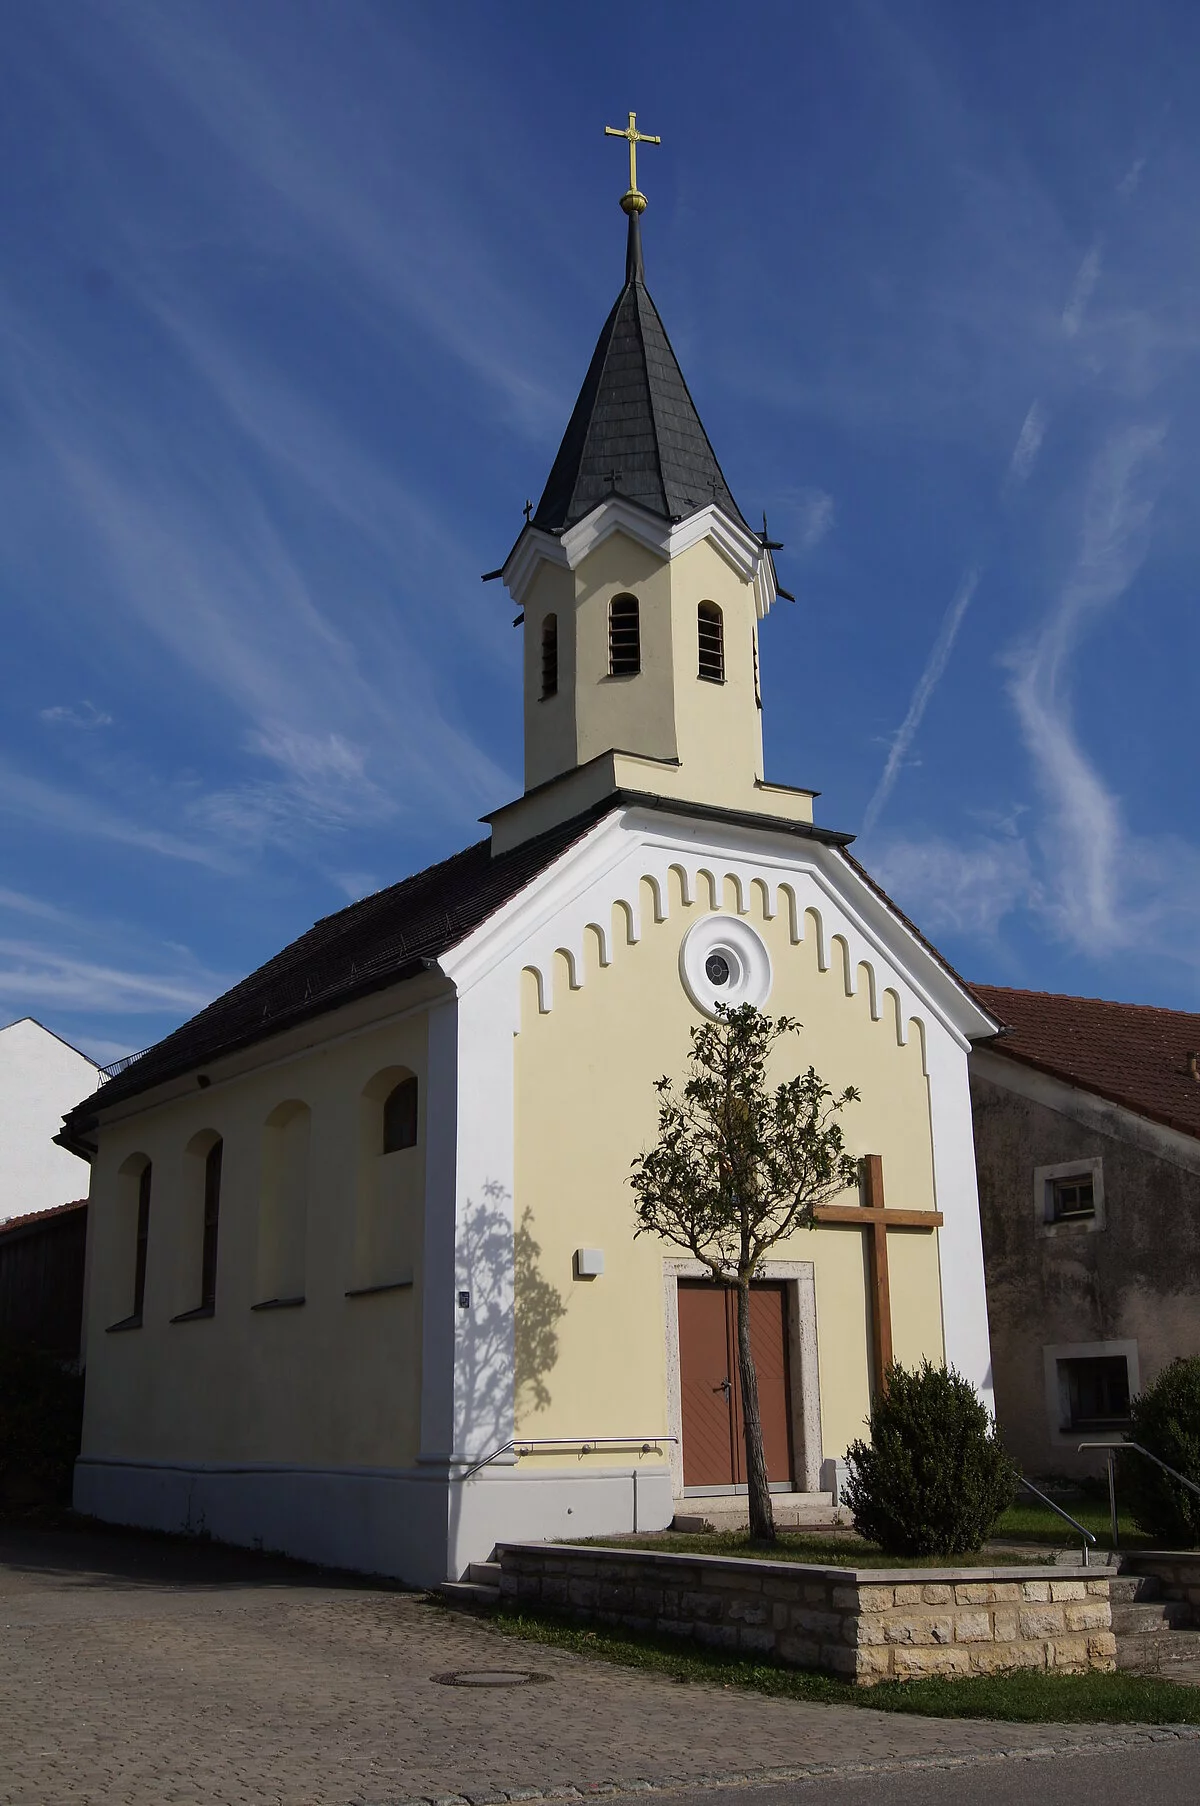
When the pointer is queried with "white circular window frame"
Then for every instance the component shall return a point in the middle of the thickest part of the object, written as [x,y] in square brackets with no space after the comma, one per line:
[743,952]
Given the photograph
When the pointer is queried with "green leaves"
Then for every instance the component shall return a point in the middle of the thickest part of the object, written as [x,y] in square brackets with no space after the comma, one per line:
[1166,1420]
[739,1165]
[934,1478]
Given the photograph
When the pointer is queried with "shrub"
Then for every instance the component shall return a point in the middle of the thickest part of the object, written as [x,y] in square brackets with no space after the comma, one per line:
[935,1477]
[1165,1418]
[41,1415]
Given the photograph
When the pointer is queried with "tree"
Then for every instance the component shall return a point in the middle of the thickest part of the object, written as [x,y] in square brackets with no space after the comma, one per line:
[737,1167]
[934,1478]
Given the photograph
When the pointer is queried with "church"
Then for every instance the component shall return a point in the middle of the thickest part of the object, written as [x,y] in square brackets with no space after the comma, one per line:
[362,1279]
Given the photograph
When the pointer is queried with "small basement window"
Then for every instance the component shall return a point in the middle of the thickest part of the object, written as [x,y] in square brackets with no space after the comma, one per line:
[624,637]
[549,656]
[1094,1393]
[1071,1198]
[711,637]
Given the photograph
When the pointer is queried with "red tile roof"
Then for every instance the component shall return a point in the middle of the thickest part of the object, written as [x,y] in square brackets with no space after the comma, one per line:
[40,1216]
[1130,1053]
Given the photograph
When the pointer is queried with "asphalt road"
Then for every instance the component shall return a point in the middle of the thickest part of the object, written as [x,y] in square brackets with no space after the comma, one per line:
[1158,1774]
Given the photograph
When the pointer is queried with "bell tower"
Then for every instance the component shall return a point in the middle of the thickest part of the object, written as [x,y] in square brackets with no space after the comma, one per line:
[641,589]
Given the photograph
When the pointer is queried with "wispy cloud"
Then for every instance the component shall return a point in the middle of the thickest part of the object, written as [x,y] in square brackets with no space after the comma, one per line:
[1084,822]
[965,889]
[82,715]
[1128,184]
[810,514]
[33,974]
[1082,290]
[72,812]
[1029,444]
[928,682]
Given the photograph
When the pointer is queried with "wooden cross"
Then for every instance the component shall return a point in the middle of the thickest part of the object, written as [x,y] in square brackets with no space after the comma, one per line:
[873,1215]
[634,137]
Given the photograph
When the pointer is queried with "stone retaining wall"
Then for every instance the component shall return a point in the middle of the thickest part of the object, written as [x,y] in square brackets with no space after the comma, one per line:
[865,1624]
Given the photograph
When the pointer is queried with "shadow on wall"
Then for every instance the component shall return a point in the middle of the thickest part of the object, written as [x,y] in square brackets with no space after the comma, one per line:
[505,1353]
[539,1308]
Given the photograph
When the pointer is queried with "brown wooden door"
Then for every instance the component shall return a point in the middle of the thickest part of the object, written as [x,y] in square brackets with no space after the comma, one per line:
[713,1429]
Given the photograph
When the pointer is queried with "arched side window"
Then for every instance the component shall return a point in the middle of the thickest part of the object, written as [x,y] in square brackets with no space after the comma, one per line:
[212,1212]
[400,1117]
[624,637]
[131,1228]
[549,656]
[283,1206]
[710,630]
[142,1244]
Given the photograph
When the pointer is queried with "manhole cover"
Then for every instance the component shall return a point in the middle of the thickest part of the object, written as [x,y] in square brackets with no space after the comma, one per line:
[490,1677]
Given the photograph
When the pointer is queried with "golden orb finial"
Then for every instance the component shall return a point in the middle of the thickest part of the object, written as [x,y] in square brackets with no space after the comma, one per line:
[633,200]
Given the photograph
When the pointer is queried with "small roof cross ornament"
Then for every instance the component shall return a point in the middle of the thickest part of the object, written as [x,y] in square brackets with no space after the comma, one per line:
[633,200]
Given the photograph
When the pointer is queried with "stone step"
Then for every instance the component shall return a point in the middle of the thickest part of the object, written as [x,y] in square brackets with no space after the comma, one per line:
[730,1511]
[469,1593]
[1151,1617]
[484,1573]
[1172,1653]
[1127,1588]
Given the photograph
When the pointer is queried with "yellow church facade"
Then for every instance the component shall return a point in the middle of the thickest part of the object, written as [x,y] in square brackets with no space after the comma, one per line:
[362,1281]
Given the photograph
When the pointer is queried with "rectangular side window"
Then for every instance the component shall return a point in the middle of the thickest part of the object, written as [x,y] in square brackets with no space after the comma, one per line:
[1094,1392]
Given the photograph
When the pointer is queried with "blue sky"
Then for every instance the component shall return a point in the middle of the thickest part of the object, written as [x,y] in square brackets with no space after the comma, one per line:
[296,298]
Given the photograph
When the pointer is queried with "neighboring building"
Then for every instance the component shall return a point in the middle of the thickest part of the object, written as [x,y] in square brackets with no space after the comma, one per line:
[41,1280]
[1087,1140]
[363,1280]
[41,1077]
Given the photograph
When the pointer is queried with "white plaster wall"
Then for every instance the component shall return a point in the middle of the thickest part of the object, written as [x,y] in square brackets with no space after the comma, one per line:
[41,1078]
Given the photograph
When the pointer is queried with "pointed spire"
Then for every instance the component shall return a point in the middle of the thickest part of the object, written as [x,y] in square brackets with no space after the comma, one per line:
[634,431]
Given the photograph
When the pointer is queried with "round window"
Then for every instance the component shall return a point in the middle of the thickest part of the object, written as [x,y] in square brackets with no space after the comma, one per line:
[723,961]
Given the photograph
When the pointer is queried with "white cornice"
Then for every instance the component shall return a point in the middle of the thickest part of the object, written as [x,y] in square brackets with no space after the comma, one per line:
[739,547]
[542,916]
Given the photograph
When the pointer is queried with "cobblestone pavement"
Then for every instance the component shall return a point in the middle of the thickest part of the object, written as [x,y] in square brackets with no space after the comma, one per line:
[136,1672]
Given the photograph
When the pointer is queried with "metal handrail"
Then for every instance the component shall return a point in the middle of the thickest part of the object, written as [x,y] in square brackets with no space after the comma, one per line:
[525,1445]
[1110,1445]
[1087,1535]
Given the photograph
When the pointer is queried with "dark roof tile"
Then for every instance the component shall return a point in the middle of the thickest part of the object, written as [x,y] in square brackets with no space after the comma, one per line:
[1129,1053]
[634,431]
[377,942]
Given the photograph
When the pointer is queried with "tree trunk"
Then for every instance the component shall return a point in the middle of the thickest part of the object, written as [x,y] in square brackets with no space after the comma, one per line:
[762,1519]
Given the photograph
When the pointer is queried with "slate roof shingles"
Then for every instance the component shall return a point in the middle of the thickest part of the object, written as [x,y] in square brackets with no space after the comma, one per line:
[376,942]
[634,419]
[1133,1054]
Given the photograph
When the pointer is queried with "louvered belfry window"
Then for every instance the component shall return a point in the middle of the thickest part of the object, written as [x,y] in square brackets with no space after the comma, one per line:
[624,637]
[549,656]
[711,636]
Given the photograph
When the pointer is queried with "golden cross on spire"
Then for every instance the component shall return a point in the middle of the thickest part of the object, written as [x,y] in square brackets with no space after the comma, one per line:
[633,201]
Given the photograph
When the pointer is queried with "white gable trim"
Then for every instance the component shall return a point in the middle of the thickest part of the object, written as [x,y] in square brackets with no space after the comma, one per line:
[736,545]
[557,908]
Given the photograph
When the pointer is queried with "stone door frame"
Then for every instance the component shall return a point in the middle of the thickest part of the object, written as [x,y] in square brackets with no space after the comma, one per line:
[805,1384]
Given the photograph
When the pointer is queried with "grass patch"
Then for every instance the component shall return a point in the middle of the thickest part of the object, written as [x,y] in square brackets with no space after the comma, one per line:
[837,1551]
[1029,1521]
[1026,1697]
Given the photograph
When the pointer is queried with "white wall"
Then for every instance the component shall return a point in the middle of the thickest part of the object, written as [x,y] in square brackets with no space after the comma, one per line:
[40,1078]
